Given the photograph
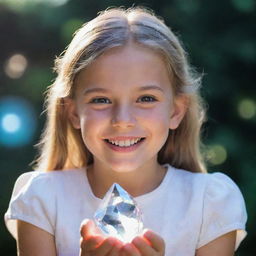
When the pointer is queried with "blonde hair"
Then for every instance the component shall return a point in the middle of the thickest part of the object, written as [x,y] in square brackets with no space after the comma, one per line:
[61,145]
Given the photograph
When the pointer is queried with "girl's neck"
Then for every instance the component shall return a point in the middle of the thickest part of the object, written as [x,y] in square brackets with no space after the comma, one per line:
[136,183]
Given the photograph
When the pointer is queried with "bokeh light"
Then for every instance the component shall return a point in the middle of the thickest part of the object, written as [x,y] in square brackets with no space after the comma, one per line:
[56,2]
[15,66]
[11,123]
[247,108]
[17,122]
[20,4]
[244,5]
[217,154]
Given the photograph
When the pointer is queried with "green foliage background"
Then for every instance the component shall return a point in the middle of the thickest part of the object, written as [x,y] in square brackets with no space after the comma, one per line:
[220,37]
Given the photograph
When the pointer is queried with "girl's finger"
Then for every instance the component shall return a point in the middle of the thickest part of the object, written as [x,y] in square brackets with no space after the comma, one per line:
[155,240]
[130,250]
[115,251]
[143,246]
[91,243]
[105,247]
[88,228]
[85,228]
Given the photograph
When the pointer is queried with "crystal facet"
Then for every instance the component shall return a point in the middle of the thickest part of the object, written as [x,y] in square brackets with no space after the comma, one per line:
[119,215]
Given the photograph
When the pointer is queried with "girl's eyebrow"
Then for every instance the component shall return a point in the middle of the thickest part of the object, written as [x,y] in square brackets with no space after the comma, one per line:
[151,87]
[92,90]
[103,90]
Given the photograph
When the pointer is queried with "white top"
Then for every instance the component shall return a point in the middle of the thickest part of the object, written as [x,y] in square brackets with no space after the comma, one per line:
[187,209]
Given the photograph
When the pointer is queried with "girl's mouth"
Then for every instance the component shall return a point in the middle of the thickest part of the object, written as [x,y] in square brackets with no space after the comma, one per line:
[124,145]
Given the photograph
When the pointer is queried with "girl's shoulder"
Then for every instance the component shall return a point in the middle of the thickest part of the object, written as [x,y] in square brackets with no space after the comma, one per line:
[217,200]
[49,179]
[216,182]
[37,196]
[214,190]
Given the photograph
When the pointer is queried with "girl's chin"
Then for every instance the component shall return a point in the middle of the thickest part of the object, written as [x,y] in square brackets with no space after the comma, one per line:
[123,167]
[124,170]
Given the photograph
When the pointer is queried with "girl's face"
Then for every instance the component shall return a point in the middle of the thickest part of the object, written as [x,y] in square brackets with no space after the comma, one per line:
[124,107]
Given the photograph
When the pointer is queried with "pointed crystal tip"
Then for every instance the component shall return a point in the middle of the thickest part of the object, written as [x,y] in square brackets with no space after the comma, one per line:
[119,215]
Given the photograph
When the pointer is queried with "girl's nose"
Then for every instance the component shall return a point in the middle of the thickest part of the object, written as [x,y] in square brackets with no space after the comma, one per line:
[123,117]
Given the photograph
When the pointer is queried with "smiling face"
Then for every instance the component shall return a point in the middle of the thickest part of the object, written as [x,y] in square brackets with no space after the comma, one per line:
[124,107]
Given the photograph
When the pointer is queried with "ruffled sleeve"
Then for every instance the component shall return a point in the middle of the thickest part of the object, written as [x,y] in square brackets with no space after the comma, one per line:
[32,201]
[223,210]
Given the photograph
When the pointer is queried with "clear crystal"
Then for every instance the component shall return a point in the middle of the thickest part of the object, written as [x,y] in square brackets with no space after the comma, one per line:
[119,215]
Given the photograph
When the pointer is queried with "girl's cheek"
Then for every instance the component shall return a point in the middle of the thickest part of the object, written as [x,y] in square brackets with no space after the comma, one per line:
[95,113]
[91,117]
[158,114]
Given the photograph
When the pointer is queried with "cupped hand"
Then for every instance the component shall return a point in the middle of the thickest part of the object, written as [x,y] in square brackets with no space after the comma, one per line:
[149,244]
[92,242]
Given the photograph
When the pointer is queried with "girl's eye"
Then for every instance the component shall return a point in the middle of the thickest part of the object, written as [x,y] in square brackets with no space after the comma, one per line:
[147,99]
[100,101]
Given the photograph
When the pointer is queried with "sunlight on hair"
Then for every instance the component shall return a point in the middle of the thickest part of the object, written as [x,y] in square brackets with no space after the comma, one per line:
[247,109]
[15,66]
[217,154]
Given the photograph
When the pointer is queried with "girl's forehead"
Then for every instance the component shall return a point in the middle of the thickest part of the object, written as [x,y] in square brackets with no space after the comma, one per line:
[132,52]
[132,62]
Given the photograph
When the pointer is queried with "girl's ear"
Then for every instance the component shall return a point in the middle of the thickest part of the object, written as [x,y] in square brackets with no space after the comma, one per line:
[180,106]
[71,111]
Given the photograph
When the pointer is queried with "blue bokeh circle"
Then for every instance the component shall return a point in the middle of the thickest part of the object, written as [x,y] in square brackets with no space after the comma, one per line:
[24,111]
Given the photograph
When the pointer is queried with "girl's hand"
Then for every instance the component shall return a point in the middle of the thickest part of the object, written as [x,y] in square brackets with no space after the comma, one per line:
[93,243]
[150,244]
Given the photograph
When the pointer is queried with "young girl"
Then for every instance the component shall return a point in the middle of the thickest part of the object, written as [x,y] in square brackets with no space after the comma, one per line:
[125,108]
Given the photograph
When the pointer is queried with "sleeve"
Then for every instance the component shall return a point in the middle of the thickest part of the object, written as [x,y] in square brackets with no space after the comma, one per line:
[223,210]
[32,201]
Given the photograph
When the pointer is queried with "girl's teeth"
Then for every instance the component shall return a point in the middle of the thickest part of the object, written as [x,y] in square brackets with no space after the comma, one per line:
[128,143]
[124,143]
